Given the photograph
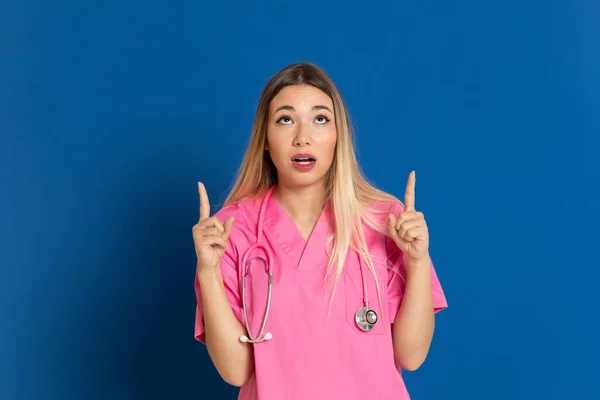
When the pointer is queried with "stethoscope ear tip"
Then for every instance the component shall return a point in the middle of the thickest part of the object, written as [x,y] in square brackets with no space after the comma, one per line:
[268,336]
[244,339]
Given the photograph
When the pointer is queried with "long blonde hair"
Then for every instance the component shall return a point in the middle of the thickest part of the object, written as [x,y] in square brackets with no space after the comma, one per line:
[348,192]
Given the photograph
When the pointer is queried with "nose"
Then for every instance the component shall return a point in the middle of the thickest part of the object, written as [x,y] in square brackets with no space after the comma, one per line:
[303,137]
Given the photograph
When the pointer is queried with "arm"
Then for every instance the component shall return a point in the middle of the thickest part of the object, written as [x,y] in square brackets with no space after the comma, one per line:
[218,306]
[414,323]
[233,359]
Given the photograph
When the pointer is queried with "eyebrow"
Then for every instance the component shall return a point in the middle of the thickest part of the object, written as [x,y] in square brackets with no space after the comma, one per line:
[290,108]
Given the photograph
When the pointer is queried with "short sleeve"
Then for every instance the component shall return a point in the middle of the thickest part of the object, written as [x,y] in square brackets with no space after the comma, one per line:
[229,273]
[396,281]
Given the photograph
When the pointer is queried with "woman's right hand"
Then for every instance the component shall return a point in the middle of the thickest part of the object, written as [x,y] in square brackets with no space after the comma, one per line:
[210,235]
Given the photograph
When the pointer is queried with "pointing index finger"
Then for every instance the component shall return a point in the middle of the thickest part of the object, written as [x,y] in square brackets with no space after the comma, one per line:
[204,204]
[409,194]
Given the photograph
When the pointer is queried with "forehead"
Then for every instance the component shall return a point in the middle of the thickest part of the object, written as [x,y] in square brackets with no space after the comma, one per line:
[301,96]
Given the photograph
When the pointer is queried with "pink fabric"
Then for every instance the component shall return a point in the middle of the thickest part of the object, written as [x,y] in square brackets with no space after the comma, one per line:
[316,352]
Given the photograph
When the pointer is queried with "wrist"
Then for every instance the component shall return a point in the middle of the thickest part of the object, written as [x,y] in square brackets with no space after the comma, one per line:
[425,259]
[204,273]
[418,264]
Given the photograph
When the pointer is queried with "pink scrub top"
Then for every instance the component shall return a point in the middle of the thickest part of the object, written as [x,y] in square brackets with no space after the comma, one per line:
[316,352]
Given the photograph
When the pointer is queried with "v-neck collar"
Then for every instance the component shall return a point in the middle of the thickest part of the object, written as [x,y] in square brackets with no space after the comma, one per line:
[304,253]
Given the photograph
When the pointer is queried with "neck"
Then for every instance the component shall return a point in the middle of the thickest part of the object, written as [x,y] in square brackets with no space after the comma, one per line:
[304,204]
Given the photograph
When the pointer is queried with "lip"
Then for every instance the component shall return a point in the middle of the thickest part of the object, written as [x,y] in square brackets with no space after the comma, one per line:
[304,167]
[303,155]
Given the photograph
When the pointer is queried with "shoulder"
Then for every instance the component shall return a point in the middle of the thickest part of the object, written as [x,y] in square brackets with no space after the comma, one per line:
[377,219]
[245,215]
[246,210]
[383,208]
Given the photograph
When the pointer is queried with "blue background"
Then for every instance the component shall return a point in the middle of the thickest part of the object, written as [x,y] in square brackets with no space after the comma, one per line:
[111,112]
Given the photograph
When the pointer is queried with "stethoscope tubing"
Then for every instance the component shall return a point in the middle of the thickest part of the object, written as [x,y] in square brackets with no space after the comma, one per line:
[247,267]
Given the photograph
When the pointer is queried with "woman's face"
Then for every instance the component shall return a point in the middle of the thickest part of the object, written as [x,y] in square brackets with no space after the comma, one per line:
[301,135]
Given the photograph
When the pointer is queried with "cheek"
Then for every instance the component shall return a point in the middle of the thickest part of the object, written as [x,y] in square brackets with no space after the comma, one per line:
[271,139]
[274,145]
[329,144]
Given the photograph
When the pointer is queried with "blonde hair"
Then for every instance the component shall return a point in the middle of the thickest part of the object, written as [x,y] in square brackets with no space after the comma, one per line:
[348,192]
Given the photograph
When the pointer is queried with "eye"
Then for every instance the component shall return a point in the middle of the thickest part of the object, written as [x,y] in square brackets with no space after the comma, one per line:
[284,119]
[322,119]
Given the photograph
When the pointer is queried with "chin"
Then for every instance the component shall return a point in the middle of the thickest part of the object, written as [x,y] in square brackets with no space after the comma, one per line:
[296,179]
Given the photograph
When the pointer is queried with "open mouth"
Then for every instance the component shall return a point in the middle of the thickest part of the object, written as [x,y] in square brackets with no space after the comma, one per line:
[304,160]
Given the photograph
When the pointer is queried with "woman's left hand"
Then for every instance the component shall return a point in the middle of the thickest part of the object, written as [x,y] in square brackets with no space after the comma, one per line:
[409,230]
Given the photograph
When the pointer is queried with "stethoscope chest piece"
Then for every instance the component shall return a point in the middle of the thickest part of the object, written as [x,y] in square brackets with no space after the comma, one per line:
[365,319]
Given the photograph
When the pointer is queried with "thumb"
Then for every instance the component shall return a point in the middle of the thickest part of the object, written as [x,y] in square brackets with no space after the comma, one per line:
[227,226]
[391,226]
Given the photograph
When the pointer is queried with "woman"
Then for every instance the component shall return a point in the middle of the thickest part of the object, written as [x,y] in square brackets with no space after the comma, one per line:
[353,291]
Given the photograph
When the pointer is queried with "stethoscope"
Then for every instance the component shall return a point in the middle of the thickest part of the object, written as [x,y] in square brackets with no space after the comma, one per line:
[365,317]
